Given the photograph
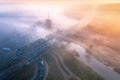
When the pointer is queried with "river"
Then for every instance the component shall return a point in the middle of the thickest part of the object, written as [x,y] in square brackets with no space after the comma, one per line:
[103,70]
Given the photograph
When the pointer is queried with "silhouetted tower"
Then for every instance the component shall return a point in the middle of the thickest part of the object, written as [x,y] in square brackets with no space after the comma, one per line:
[48,22]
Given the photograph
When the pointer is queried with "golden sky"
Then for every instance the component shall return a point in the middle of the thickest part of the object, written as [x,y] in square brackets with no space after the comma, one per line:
[108,15]
[63,1]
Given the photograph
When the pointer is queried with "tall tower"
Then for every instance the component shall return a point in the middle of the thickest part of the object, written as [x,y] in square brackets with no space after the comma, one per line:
[48,22]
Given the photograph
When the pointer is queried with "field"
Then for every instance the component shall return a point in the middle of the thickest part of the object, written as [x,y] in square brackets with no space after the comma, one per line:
[74,65]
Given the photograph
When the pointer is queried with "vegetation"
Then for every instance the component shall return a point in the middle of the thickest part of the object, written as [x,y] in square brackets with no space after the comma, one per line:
[53,71]
[117,70]
[26,72]
[77,66]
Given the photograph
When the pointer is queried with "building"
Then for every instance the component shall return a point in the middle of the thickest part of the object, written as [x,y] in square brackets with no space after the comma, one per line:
[48,24]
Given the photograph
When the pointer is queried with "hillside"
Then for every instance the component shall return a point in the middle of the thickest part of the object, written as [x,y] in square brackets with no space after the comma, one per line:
[106,21]
[104,30]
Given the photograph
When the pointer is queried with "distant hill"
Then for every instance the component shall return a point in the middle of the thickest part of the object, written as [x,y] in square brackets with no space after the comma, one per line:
[106,21]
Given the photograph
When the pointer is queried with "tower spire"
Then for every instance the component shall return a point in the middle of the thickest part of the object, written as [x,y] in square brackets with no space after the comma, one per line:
[48,22]
[48,15]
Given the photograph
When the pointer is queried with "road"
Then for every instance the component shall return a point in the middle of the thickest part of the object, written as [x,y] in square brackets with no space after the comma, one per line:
[41,70]
[59,63]
[29,57]
[47,69]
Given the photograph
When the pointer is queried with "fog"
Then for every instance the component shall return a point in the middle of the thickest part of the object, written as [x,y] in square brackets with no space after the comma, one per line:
[16,21]
[20,18]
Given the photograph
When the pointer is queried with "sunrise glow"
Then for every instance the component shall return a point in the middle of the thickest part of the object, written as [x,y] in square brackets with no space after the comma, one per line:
[59,39]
